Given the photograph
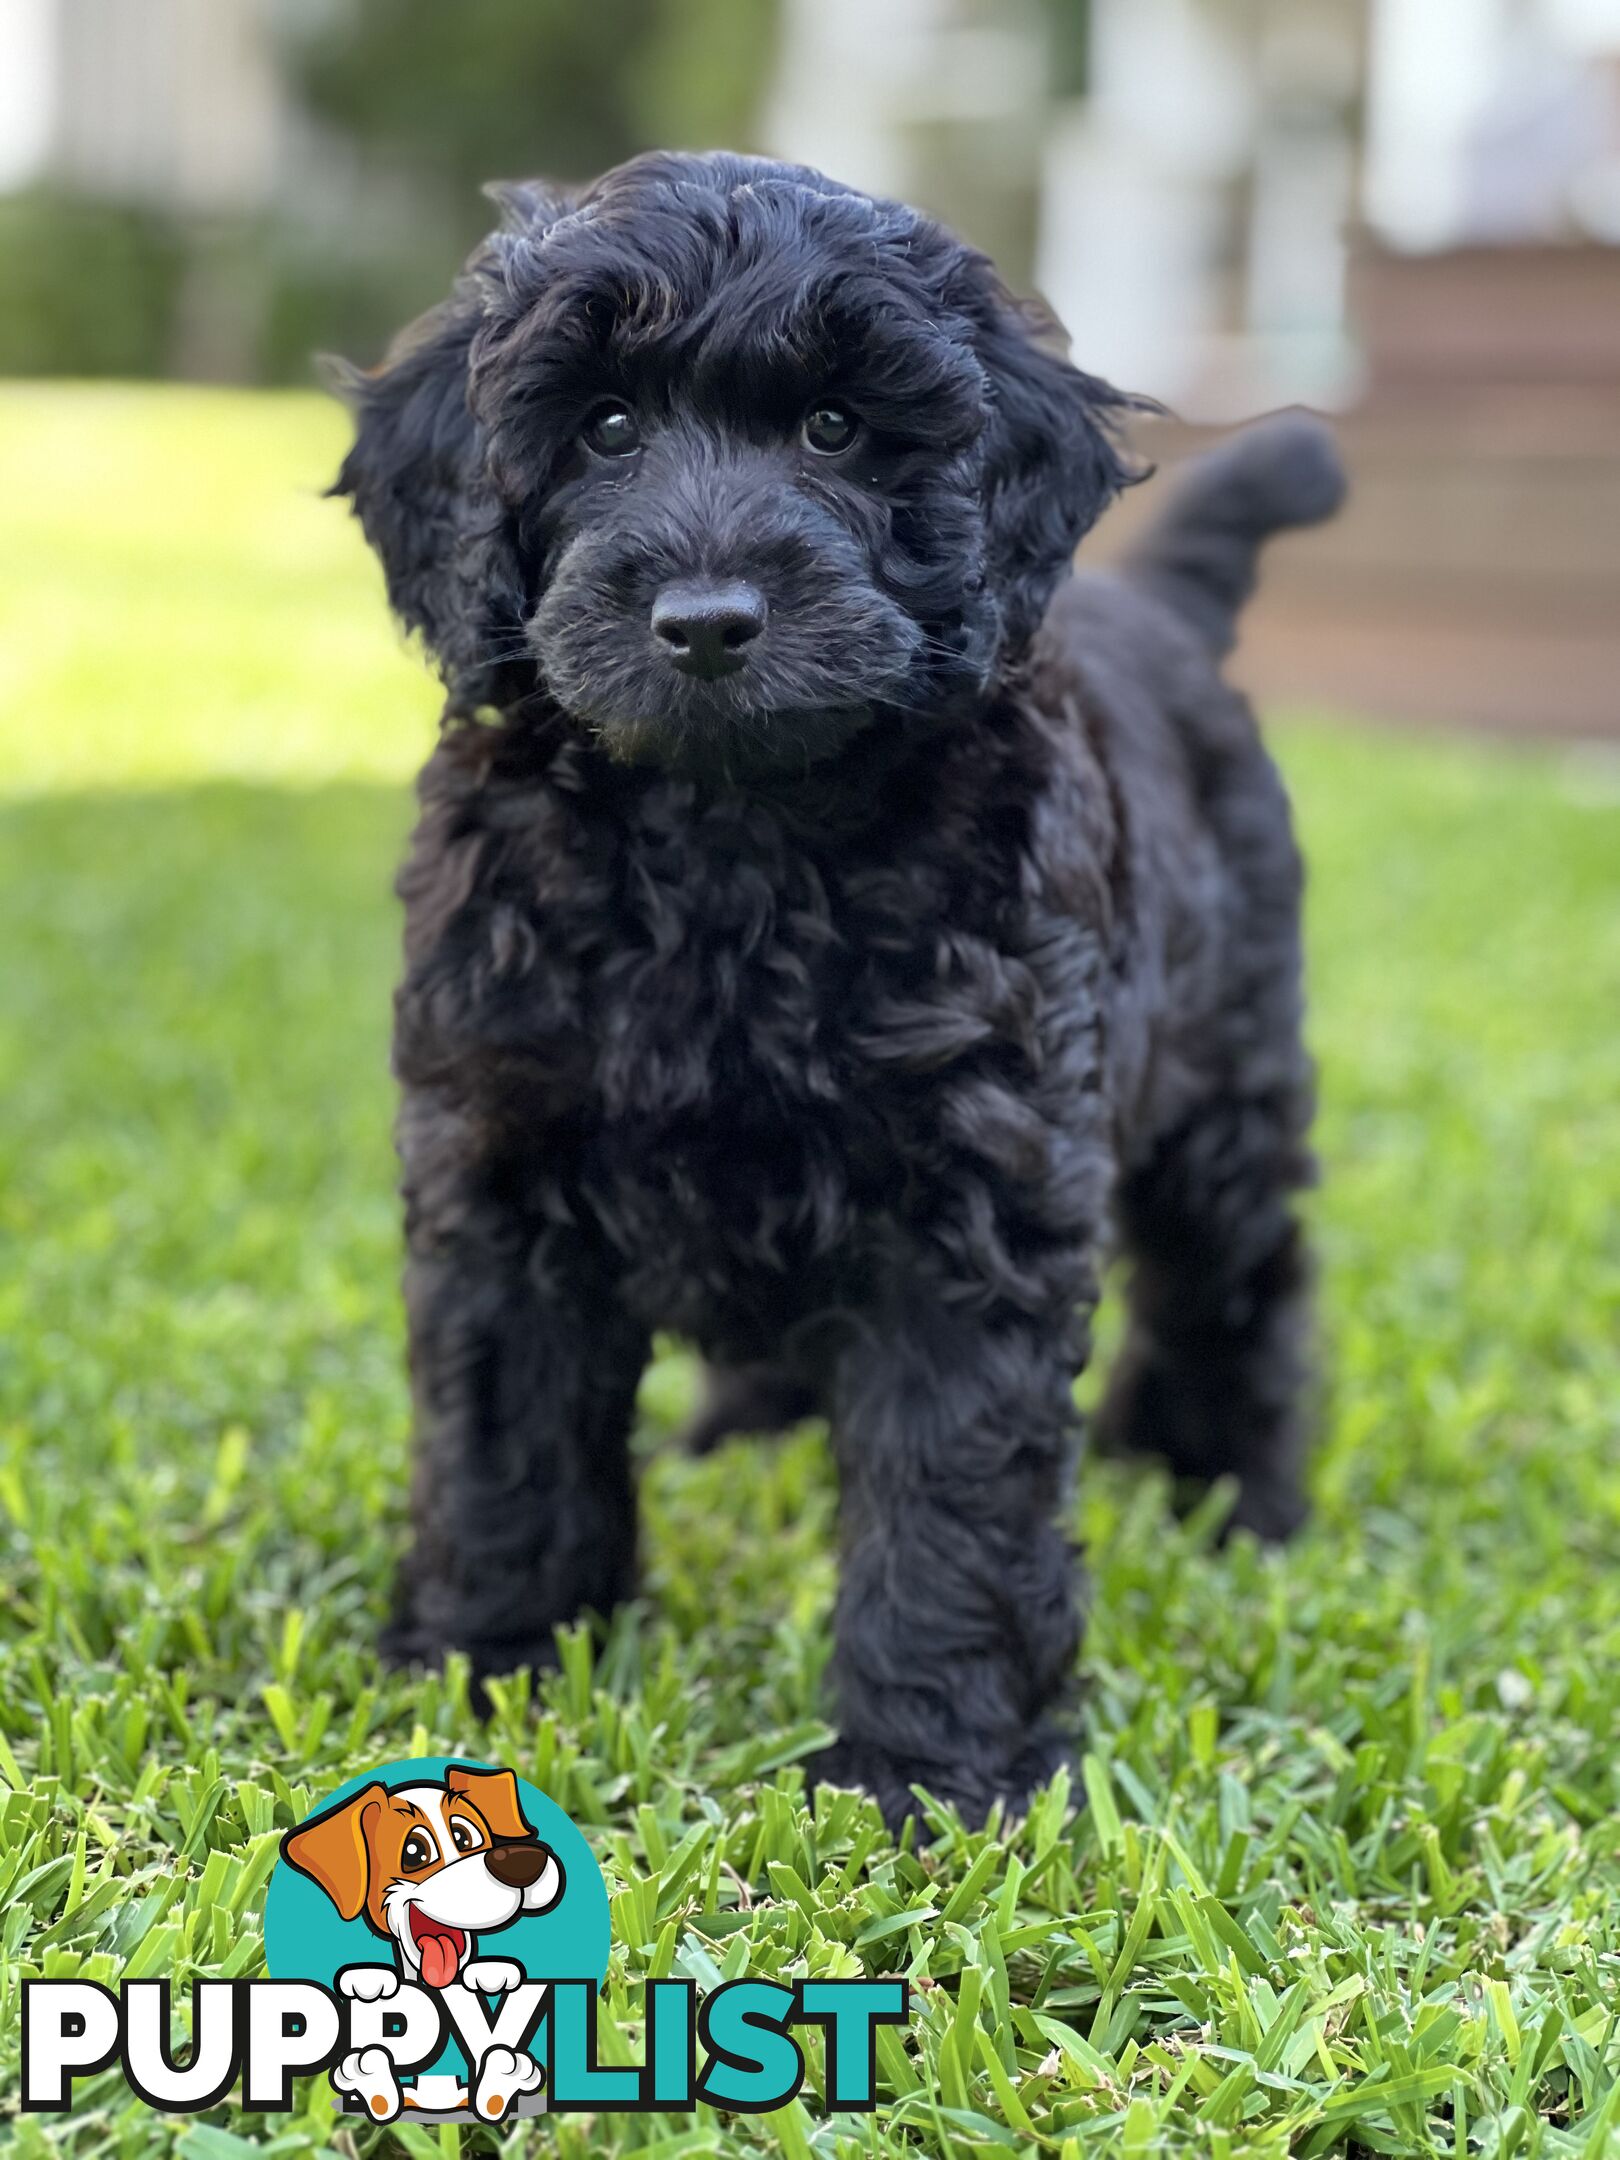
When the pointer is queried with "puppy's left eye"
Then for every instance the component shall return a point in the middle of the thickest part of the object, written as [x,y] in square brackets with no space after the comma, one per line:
[461,1835]
[828,429]
[611,430]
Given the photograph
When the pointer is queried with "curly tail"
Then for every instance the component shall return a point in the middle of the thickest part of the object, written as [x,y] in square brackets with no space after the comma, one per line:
[1202,554]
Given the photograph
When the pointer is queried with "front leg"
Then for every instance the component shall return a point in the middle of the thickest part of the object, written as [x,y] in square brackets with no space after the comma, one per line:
[957,1623]
[524,1370]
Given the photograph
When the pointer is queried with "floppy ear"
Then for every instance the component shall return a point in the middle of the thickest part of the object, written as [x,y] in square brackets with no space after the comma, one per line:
[495,1795]
[331,1850]
[417,475]
[1052,462]
[416,478]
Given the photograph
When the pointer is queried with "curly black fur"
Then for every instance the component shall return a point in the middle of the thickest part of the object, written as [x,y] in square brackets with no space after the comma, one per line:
[841,1012]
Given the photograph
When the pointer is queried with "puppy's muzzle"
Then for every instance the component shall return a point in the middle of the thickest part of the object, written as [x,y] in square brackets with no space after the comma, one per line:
[705,626]
[518,1864]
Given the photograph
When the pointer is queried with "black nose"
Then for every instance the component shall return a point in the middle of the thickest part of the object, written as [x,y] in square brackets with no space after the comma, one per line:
[706,627]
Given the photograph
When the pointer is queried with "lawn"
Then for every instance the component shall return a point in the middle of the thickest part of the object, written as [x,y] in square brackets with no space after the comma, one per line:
[1347,1877]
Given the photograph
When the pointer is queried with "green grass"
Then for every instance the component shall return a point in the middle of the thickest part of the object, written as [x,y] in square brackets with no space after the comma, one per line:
[1349,1878]
[177,600]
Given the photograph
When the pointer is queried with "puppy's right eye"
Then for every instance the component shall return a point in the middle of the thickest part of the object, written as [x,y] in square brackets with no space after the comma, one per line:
[828,429]
[417,1853]
[611,431]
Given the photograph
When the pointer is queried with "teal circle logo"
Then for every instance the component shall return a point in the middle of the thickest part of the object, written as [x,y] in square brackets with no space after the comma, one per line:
[438,1883]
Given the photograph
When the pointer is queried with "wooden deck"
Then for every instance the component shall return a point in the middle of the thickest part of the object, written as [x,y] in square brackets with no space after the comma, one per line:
[1474,578]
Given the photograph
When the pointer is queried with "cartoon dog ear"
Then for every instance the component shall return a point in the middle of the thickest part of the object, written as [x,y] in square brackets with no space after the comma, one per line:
[1052,459]
[331,1849]
[494,1794]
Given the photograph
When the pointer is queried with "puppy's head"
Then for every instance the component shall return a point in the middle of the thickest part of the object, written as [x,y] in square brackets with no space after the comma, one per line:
[731,462]
[430,1866]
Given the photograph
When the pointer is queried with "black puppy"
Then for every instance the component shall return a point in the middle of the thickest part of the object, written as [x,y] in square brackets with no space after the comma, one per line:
[829,930]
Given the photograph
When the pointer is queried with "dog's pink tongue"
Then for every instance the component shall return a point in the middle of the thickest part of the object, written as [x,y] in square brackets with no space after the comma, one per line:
[438,1959]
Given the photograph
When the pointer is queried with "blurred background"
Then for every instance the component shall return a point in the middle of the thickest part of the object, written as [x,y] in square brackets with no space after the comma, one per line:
[1404,211]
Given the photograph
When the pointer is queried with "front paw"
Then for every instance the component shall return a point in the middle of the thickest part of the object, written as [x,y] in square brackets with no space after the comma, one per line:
[368,2073]
[970,1784]
[492,1976]
[887,1778]
[503,2077]
[368,1983]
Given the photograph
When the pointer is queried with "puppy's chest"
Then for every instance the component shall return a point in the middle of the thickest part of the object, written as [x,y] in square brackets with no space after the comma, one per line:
[721,987]
[735,1041]
[736,1124]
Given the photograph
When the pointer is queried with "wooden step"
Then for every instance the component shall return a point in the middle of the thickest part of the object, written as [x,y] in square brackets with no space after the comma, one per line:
[1473,578]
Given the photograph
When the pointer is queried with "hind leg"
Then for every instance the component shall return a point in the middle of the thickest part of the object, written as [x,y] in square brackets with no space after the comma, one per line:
[748,1400]
[1213,1374]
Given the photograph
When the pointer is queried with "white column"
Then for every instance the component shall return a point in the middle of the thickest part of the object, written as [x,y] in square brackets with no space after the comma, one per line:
[28,89]
[1135,203]
[1433,64]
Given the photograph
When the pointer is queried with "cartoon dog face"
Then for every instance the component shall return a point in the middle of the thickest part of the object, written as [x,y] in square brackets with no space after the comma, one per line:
[430,1866]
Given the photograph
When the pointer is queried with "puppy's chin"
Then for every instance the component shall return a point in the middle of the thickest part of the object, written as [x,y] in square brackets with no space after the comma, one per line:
[836,653]
[739,744]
